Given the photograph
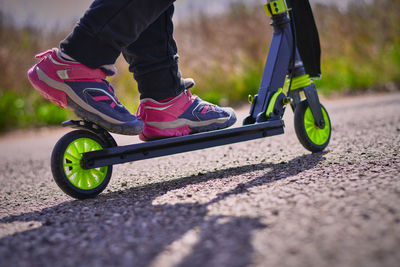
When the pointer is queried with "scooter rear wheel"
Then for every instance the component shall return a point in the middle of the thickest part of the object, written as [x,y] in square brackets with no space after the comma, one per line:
[67,170]
[312,137]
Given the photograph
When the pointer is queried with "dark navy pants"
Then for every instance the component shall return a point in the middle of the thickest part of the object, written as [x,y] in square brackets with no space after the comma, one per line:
[142,30]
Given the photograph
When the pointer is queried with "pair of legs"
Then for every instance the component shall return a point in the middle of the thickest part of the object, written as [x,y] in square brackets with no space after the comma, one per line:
[142,30]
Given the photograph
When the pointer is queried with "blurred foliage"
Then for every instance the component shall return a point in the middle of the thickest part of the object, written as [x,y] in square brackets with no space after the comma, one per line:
[225,54]
[20,105]
[19,110]
[361,47]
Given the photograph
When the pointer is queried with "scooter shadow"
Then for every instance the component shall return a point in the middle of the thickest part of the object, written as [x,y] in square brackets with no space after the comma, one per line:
[127,229]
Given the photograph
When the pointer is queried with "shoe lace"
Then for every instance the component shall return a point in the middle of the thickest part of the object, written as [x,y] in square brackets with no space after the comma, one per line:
[140,111]
[44,54]
[111,90]
[189,95]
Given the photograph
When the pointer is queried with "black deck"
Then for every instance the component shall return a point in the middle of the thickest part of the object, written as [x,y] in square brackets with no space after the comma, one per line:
[169,146]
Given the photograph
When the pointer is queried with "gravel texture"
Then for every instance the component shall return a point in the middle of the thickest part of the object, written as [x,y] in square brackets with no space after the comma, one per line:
[265,202]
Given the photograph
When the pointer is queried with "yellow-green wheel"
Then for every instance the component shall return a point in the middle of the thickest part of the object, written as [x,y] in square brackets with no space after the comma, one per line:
[66,166]
[312,137]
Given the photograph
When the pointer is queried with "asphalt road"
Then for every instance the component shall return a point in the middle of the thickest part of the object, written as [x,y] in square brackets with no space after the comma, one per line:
[265,202]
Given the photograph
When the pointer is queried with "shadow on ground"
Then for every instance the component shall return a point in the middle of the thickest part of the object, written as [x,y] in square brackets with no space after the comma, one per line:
[126,228]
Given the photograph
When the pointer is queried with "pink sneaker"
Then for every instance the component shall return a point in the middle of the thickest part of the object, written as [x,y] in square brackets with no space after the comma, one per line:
[182,115]
[86,91]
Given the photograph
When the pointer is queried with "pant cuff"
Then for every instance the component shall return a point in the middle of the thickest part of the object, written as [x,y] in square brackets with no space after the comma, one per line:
[160,84]
[88,50]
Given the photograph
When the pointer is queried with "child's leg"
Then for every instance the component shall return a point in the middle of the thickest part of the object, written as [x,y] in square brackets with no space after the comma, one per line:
[109,26]
[154,61]
[166,108]
[96,41]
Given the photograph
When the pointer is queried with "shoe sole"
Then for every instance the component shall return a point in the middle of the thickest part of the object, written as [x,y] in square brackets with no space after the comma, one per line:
[132,128]
[184,130]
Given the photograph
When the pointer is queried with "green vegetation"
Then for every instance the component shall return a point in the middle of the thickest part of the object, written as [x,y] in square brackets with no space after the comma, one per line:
[19,110]
[20,105]
[225,54]
[361,48]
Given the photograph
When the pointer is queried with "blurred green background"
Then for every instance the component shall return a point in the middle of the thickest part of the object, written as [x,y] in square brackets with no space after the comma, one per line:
[225,53]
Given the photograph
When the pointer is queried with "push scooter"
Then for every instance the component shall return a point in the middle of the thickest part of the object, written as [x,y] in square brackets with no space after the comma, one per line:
[83,159]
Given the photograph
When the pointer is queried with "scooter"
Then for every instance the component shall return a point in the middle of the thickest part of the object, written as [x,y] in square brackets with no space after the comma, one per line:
[82,160]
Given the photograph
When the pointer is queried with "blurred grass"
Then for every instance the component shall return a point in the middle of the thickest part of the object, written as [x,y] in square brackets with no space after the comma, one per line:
[20,105]
[225,54]
[361,48]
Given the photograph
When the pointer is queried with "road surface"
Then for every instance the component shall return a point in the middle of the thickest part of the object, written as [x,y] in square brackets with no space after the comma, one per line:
[265,202]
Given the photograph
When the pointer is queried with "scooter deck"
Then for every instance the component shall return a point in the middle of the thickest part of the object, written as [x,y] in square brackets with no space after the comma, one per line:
[175,145]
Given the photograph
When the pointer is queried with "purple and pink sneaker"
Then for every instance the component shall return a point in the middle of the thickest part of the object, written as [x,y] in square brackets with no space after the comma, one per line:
[182,115]
[86,91]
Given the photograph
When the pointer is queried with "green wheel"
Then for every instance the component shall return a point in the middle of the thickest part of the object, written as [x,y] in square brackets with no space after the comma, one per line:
[309,134]
[67,170]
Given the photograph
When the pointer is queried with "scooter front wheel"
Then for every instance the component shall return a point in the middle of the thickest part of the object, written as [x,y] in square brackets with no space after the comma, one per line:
[312,137]
[67,170]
